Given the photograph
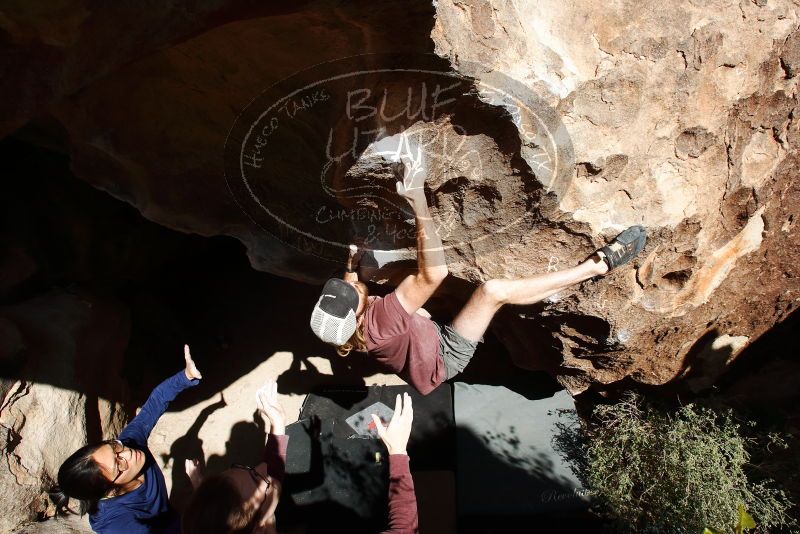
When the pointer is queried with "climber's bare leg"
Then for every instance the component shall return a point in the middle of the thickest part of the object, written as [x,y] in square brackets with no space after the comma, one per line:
[474,318]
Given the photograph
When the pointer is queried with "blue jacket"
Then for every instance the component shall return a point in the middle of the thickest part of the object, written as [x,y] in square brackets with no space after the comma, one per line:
[146,509]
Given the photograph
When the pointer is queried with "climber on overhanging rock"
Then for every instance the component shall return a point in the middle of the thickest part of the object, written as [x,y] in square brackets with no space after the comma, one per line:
[118,481]
[397,332]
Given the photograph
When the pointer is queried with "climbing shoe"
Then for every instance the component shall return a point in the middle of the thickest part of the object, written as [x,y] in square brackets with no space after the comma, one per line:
[624,247]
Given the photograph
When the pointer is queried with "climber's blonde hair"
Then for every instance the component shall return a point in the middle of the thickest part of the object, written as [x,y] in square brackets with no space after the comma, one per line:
[357,341]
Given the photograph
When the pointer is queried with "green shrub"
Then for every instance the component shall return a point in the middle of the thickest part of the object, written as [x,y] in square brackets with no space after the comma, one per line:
[745,522]
[677,471]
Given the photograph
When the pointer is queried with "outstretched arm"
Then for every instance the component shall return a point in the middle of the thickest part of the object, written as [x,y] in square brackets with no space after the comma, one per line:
[139,429]
[274,451]
[402,499]
[274,416]
[417,288]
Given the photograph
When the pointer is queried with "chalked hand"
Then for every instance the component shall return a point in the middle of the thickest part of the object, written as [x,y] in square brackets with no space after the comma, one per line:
[395,435]
[191,370]
[270,407]
[409,170]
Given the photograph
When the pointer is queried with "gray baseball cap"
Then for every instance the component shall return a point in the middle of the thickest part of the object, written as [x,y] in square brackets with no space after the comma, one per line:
[334,317]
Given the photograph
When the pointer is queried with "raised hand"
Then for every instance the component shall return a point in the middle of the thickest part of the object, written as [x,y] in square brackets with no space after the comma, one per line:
[194,471]
[410,171]
[395,435]
[353,259]
[191,369]
[270,407]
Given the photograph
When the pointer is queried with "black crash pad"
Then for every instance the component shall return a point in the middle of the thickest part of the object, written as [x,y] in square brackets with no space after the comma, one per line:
[332,472]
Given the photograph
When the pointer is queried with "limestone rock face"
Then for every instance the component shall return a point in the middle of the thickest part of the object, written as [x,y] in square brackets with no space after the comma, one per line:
[675,115]
[67,349]
[55,49]
[681,118]
[66,525]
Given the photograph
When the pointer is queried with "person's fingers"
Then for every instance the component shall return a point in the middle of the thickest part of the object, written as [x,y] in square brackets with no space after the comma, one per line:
[265,390]
[264,525]
[378,426]
[408,409]
[267,510]
[190,365]
[267,397]
[260,490]
[261,398]
[398,408]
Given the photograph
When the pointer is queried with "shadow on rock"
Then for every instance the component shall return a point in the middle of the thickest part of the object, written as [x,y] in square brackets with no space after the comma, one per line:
[188,447]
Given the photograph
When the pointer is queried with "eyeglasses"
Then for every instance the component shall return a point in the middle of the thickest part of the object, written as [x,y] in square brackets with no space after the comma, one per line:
[118,448]
[257,479]
[254,474]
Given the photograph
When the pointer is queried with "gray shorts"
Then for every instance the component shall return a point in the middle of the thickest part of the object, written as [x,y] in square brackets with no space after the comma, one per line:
[456,350]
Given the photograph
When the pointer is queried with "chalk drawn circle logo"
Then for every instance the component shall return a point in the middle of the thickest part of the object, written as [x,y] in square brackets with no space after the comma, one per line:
[312,160]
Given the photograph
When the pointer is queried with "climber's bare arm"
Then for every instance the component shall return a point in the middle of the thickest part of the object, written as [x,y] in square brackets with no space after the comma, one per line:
[417,288]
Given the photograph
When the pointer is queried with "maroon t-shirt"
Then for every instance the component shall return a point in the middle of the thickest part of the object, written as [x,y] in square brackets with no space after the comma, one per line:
[406,343]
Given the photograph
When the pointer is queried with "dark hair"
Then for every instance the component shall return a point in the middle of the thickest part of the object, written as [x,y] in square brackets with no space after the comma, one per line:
[81,478]
[216,507]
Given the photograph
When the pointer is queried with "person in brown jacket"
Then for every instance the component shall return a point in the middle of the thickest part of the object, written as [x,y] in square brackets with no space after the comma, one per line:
[243,499]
